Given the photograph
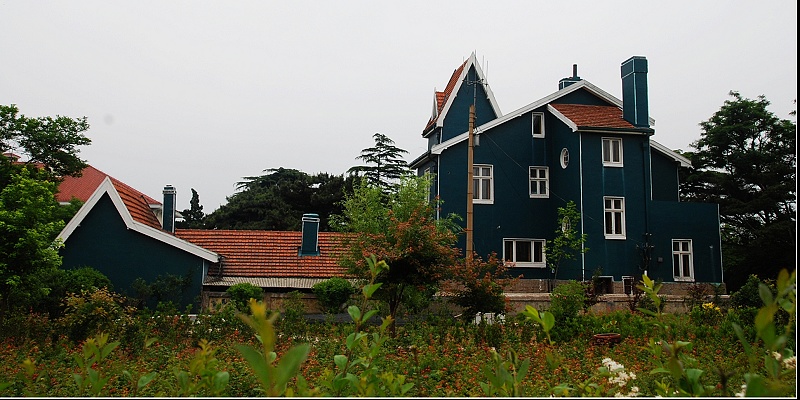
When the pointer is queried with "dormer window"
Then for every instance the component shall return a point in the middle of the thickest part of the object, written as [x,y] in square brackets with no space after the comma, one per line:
[537,125]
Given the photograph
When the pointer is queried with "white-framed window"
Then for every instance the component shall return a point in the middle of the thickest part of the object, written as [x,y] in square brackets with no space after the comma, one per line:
[539,182]
[682,264]
[482,184]
[614,211]
[612,152]
[564,158]
[537,125]
[524,252]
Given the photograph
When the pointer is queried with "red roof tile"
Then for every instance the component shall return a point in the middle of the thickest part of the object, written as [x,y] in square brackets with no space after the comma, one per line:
[267,253]
[441,97]
[82,187]
[594,116]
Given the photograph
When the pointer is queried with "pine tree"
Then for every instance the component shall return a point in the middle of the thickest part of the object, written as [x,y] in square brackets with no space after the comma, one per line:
[384,163]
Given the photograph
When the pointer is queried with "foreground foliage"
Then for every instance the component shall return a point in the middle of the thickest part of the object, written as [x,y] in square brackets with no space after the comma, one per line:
[740,351]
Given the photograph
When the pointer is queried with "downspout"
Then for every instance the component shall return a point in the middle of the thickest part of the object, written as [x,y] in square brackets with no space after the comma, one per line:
[580,180]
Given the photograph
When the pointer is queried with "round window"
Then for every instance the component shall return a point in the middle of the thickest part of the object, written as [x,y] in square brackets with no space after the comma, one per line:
[564,158]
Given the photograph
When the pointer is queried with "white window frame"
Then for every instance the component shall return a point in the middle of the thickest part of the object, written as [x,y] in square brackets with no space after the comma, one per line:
[614,217]
[564,159]
[539,252]
[682,256]
[538,180]
[477,184]
[609,159]
[537,133]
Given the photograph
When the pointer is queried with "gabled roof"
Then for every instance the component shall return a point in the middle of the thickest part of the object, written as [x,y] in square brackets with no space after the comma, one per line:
[443,100]
[136,214]
[83,186]
[267,254]
[579,116]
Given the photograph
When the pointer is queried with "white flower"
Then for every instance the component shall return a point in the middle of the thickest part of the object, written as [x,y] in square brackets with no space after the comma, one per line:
[790,363]
[776,355]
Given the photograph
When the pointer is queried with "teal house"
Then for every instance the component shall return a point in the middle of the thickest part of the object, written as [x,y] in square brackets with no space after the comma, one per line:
[129,236]
[579,144]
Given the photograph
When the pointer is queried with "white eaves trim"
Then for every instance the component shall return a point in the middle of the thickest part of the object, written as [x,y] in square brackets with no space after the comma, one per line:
[107,187]
[671,154]
[489,94]
[583,84]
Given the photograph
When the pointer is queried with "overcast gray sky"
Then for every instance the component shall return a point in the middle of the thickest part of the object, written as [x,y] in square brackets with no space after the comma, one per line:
[199,94]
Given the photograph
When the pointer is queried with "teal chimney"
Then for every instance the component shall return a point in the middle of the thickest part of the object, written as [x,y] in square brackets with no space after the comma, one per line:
[634,92]
[168,217]
[310,236]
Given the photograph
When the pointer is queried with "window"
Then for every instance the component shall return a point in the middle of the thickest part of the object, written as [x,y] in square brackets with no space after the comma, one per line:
[614,210]
[539,183]
[564,158]
[537,125]
[682,267]
[524,252]
[612,152]
[482,184]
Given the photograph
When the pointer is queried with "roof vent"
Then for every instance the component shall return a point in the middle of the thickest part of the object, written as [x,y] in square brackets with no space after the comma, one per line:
[310,236]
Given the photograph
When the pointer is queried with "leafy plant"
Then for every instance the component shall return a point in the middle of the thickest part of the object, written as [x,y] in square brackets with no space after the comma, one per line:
[203,378]
[273,374]
[91,378]
[567,300]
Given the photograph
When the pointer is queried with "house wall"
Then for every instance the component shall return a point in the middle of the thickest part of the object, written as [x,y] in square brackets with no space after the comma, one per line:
[103,242]
[665,177]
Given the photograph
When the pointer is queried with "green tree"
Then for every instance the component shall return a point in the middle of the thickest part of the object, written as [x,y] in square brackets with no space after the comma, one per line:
[29,224]
[403,231]
[567,243]
[479,286]
[277,200]
[193,217]
[51,141]
[746,161]
[384,163]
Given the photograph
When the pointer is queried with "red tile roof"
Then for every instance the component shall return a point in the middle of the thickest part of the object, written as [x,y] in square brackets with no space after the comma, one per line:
[594,116]
[267,253]
[82,187]
[441,97]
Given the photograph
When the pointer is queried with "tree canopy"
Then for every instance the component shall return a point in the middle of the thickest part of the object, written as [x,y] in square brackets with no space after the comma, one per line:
[384,163]
[193,217]
[746,161]
[51,141]
[278,200]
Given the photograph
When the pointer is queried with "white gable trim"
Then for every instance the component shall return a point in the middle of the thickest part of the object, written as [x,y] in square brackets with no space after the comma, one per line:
[437,149]
[107,187]
[471,62]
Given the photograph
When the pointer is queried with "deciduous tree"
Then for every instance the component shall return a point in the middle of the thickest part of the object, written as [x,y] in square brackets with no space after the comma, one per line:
[746,161]
[403,231]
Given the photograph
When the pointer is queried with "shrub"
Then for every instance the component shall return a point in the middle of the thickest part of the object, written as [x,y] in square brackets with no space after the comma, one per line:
[747,295]
[567,300]
[91,312]
[241,293]
[332,293]
[293,321]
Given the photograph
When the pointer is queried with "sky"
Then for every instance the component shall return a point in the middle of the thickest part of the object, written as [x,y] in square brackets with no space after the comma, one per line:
[199,94]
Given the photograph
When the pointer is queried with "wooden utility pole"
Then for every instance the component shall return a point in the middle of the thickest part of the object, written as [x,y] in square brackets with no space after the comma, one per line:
[470,183]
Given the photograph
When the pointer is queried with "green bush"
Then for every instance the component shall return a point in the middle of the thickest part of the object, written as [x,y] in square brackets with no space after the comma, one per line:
[293,319]
[567,300]
[241,293]
[333,293]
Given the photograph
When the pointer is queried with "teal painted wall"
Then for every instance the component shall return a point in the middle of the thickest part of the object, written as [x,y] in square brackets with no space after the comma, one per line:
[102,241]
[511,150]
[665,177]
[456,121]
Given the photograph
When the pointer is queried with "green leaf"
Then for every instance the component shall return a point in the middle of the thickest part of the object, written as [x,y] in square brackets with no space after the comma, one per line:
[145,379]
[290,363]
[355,313]
[258,364]
[340,361]
[765,294]
[549,321]
[369,290]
